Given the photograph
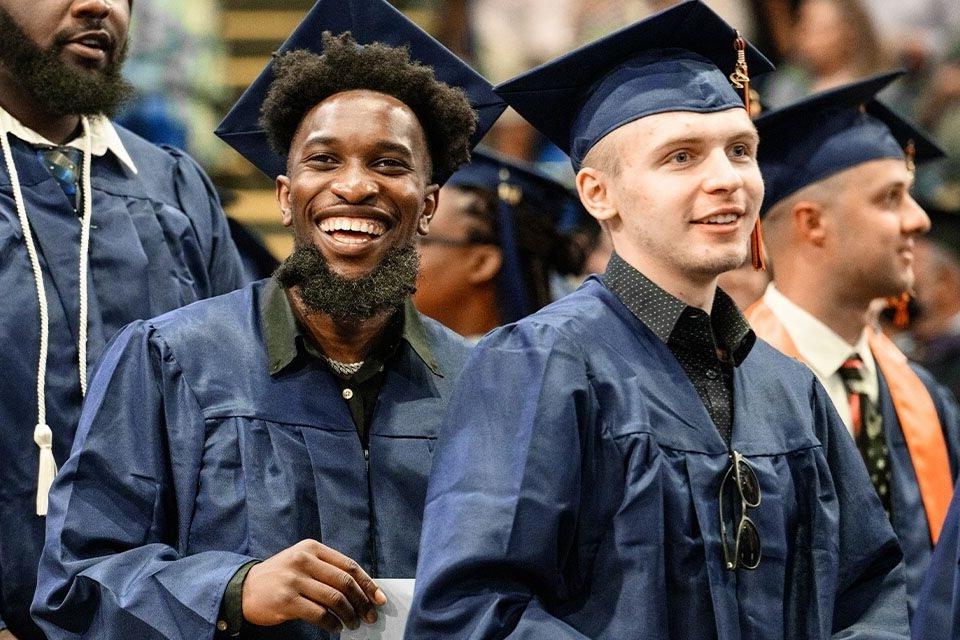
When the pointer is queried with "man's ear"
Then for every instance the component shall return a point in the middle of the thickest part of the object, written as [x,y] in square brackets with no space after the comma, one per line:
[809,221]
[283,198]
[430,201]
[485,262]
[593,187]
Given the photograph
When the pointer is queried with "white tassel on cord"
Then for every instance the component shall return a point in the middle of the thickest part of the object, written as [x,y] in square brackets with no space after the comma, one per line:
[42,434]
[47,471]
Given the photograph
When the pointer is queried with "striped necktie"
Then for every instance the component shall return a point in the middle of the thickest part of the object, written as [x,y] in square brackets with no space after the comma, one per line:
[867,426]
[63,163]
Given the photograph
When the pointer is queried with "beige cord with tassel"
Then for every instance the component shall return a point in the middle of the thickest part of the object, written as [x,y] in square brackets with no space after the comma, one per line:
[42,434]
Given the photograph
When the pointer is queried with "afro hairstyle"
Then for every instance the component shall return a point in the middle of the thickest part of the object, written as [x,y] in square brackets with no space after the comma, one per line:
[303,79]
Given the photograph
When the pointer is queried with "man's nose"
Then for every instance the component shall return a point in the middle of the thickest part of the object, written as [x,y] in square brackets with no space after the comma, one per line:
[354,185]
[97,9]
[721,174]
[914,220]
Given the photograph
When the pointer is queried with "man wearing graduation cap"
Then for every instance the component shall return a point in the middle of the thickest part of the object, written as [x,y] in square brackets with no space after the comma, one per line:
[841,227]
[630,462]
[246,464]
[496,244]
[98,228]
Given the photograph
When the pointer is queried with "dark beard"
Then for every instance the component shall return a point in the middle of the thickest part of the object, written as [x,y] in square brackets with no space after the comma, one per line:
[346,299]
[61,89]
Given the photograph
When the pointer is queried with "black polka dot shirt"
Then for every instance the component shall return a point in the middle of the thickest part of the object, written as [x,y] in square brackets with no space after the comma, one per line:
[707,346]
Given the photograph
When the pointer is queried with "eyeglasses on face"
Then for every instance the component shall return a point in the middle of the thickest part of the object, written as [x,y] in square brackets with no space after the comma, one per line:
[746,543]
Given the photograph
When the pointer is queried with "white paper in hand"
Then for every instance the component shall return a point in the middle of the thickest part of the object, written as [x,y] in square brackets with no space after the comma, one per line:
[391,617]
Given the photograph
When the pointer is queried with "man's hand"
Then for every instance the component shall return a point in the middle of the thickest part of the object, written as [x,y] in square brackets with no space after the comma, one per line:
[310,581]
[6,635]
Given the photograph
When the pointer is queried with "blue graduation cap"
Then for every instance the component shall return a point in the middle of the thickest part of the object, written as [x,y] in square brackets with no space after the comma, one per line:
[677,60]
[517,183]
[368,21]
[831,131]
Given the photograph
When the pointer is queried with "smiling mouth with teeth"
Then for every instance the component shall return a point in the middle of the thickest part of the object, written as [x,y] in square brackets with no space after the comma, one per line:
[724,218]
[352,230]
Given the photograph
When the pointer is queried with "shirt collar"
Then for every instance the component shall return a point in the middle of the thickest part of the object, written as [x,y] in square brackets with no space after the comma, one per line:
[653,306]
[819,346]
[661,311]
[283,335]
[103,137]
[731,326]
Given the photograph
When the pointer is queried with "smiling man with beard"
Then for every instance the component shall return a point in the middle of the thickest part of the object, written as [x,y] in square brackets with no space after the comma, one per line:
[251,464]
[98,228]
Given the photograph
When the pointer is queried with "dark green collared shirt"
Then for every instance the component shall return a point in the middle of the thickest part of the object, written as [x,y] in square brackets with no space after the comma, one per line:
[288,347]
[707,346]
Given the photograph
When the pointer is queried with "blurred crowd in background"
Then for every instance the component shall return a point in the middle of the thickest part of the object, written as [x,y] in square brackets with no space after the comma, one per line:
[178,58]
[181,52]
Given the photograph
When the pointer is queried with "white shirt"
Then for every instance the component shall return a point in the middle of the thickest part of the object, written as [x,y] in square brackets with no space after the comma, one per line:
[823,350]
[103,137]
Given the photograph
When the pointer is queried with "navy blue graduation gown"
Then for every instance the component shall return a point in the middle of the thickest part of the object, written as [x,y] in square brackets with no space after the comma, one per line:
[574,494]
[908,516]
[937,615]
[191,459]
[158,240]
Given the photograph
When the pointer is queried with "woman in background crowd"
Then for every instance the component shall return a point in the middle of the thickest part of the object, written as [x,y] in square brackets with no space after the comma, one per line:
[496,250]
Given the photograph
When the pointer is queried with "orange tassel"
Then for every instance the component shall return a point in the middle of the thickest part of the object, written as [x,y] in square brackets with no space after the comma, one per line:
[756,248]
[901,313]
[910,153]
[740,78]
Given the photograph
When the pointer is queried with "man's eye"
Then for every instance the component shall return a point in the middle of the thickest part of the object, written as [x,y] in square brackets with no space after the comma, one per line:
[680,157]
[739,151]
[390,163]
[320,158]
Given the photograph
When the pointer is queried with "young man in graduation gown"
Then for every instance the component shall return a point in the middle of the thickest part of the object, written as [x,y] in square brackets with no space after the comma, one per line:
[98,228]
[630,462]
[840,227]
[246,464]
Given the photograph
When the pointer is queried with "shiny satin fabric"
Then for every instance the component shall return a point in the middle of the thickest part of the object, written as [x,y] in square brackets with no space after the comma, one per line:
[574,495]
[908,516]
[191,459]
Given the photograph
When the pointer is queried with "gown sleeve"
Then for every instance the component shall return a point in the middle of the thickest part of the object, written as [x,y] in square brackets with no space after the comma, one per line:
[199,199]
[871,597]
[112,566]
[504,492]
